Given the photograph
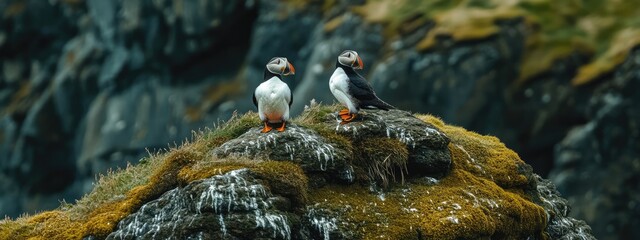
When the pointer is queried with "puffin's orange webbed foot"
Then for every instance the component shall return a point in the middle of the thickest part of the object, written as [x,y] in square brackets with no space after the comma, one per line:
[343,112]
[266,128]
[281,128]
[348,118]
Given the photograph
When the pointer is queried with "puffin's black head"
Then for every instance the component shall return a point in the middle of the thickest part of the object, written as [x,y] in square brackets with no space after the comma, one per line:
[280,66]
[350,58]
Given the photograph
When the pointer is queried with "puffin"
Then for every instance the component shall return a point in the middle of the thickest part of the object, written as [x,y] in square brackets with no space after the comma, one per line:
[273,97]
[351,89]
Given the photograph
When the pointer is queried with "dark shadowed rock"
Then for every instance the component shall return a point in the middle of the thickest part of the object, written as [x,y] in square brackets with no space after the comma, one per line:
[234,205]
[84,82]
[560,226]
[604,153]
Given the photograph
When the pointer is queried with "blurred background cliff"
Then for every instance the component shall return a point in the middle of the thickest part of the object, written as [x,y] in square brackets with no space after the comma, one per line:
[90,85]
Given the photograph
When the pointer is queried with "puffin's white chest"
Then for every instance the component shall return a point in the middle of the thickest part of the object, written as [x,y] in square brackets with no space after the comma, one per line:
[339,81]
[339,85]
[273,98]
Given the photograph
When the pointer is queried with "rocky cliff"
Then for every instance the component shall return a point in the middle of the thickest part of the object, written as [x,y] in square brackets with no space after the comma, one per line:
[389,175]
[89,85]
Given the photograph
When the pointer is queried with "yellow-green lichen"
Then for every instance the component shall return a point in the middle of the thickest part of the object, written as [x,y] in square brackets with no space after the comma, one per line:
[284,178]
[482,197]
[483,156]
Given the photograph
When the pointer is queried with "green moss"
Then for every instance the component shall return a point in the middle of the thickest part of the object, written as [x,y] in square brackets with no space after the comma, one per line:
[212,167]
[315,114]
[284,178]
[483,156]
[624,40]
[469,203]
[315,117]
[461,206]
[233,128]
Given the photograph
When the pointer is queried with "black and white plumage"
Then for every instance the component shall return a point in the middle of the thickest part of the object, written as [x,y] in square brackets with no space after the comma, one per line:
[351,89]
[273,97]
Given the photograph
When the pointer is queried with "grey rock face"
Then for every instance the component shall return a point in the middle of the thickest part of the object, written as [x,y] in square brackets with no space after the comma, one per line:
[461,83]
[115,129]
[324,225]
[606,146]
[234,205]
[89,85]
[560,225]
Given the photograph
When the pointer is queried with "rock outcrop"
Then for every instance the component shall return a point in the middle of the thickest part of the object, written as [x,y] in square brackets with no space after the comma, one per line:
[426,147]
[389,174]
[234,205]
[90,85]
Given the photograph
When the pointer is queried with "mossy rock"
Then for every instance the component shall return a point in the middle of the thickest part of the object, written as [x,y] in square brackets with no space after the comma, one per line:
[427,146]
[237,183]
[329,148]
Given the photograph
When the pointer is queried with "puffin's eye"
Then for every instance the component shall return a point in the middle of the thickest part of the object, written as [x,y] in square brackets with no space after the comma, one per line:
[348,55]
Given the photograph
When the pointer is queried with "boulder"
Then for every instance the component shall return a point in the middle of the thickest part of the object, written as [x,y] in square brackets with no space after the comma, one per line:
[320,179]
[234,205]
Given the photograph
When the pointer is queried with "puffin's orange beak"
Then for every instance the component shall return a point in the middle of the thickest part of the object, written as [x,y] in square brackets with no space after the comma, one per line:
[292,70]
[358,63]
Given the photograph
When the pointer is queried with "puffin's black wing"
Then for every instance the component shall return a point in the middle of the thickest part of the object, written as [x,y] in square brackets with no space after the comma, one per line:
[255,101]
[360,89]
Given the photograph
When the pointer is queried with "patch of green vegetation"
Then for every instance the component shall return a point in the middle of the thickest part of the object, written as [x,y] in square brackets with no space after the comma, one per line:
[484,156]
[604,29]
[231,129]
[315,116]
[469,203]
[460,206]
[114,185]
[286,179]
[212,166]
[315,113]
